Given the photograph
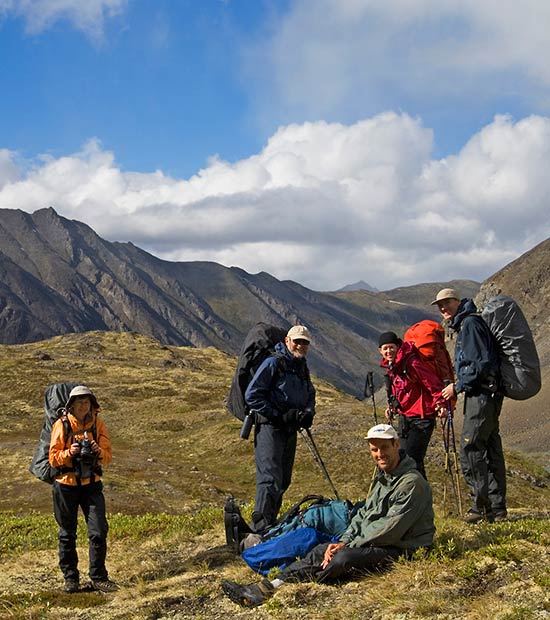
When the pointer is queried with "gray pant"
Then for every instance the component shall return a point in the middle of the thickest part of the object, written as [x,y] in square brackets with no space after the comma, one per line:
[481,454]
[274,451]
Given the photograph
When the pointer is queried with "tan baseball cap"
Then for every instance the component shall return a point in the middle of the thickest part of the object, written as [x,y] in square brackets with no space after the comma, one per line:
[299,332]
[445,293]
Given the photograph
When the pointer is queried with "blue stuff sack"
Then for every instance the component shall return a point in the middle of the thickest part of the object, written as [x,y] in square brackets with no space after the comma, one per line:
[284,549]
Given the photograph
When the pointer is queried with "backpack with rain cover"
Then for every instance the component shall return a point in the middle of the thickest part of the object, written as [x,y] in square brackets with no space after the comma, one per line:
[519,361]
[259,344]
[55,398]
[429,339]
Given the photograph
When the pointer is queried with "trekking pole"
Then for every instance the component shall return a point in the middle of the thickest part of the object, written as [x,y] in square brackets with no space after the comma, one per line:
[447,431]
[308,440]
[451,435]
[369,393]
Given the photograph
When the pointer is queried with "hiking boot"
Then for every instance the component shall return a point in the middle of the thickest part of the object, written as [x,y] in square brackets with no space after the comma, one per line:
[473,516]
[499,515]
[105,585]
[72,586]
[250,595]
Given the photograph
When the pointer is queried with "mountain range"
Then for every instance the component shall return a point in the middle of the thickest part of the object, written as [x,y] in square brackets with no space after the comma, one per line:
[57,276]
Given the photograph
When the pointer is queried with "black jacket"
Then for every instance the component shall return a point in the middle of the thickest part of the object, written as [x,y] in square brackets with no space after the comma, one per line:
[476,355]
[281,383]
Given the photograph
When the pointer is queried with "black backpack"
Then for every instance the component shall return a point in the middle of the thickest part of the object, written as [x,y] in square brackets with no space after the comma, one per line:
[259,344]
[55,399]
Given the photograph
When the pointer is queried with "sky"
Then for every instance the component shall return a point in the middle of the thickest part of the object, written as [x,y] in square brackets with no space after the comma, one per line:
[322,141]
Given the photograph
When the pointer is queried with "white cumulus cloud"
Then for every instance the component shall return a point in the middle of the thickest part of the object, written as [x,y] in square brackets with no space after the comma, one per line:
[86,15]
[322,203]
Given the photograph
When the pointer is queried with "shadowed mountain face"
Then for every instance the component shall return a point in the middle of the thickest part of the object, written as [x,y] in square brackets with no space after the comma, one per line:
[57,276]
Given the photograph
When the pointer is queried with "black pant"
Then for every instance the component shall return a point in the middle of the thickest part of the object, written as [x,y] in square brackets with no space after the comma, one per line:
[481,454]
[346,561]
[274,451]
[66,500]
[415,434]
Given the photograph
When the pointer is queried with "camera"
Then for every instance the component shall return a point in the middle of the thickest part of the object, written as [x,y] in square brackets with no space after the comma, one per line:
[85,462]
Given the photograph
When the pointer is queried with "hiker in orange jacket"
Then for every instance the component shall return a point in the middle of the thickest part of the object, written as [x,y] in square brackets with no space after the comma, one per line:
[414,392]
[79,446]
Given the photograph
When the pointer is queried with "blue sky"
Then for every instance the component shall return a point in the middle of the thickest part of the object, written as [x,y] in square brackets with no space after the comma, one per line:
[321,141]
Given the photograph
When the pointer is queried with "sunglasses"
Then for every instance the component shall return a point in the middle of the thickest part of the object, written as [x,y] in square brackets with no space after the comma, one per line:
[300,341]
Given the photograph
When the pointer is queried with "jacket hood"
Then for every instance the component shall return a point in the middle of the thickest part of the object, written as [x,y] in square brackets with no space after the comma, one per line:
[281,349]
[466,307]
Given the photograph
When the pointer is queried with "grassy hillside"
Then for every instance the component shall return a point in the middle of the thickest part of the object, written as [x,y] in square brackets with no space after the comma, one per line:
[177,456]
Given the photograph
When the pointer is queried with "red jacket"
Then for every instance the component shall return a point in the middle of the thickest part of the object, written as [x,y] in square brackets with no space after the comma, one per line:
[414,383]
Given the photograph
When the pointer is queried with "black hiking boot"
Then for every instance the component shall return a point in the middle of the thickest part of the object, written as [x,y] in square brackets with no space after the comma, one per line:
[473,516]
[72,586]
[499,515]
[251,595]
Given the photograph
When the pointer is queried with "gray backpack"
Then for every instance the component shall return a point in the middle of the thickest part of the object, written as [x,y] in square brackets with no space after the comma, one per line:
[519,361]
[55,398]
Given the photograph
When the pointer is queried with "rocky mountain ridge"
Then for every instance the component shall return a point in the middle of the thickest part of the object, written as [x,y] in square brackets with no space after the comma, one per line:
[58,276]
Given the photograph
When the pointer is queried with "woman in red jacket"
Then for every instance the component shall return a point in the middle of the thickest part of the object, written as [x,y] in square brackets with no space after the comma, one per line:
[414,392]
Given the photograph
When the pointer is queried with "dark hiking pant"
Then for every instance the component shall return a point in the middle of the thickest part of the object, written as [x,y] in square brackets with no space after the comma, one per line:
[66,500]
[346,562]
[274,451]
[481,455]
[415,434]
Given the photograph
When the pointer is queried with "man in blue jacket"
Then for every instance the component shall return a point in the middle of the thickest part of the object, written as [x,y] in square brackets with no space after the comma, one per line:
[397,519]
[477,371]
[282,398]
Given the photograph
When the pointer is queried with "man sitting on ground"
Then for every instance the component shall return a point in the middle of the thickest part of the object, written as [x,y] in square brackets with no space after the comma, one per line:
[396,520]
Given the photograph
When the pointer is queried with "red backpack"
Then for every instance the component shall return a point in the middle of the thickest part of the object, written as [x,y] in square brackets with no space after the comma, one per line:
[429,338]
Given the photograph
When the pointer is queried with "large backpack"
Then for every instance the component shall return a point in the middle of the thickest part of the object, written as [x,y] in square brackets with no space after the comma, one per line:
[519,361]
[55,398]
[258,345]
[329,516]
[429,339]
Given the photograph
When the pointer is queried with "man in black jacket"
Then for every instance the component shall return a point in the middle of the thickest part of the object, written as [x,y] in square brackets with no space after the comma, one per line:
[477,372]
[282,398]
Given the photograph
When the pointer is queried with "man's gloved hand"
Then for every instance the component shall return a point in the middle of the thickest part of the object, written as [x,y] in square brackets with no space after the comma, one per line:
[290,418]
[305,419]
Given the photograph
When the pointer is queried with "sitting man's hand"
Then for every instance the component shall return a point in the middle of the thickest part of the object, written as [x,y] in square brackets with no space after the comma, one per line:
[330,552]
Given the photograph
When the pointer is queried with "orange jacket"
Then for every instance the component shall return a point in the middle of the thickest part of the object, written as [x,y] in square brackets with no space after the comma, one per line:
[60,445]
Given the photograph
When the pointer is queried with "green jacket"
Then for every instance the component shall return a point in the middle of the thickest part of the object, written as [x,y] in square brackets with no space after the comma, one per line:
[397,513]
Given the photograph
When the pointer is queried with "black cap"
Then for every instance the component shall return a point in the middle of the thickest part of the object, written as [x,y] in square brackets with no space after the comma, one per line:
[389,338]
